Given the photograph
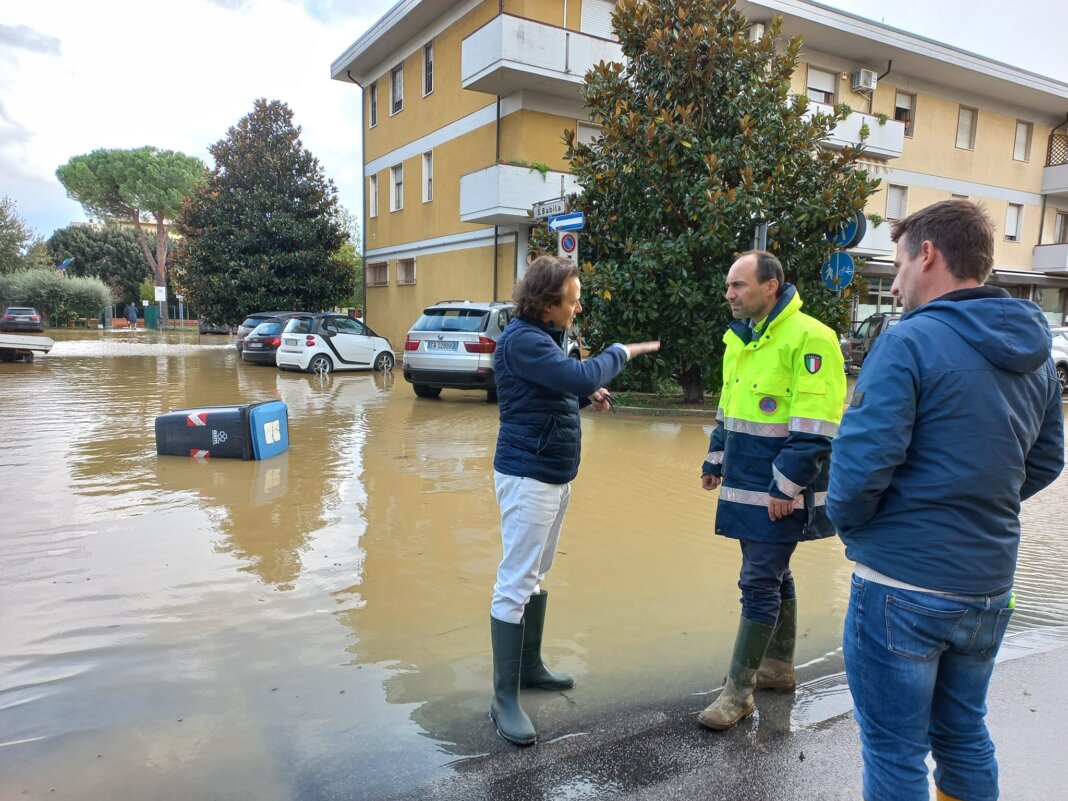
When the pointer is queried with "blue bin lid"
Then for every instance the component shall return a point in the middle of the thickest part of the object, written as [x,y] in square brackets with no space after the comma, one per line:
[268,424]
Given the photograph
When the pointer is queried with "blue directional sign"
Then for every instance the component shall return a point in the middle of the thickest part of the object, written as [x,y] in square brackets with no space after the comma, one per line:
[575,221]
[838,271]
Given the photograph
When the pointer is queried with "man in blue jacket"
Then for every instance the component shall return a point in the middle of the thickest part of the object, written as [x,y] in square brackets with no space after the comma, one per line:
[956,419]
[539,391]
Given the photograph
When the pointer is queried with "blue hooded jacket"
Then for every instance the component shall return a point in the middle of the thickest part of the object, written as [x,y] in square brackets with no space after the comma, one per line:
[540,390]
[955,419]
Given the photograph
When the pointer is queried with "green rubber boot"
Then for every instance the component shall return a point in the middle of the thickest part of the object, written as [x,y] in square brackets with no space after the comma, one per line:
[533,672]
[777,668]
[512,722]
[736,702]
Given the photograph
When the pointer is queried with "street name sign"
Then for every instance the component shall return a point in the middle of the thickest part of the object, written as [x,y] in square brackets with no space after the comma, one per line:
[549,208]
[575,221]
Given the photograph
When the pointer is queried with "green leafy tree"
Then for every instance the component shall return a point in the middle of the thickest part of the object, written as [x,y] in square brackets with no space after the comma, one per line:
[38,257]
[350,256]
[15,237]
[108,252]
[265,231]
[144,185]
[700,140]
[59,298]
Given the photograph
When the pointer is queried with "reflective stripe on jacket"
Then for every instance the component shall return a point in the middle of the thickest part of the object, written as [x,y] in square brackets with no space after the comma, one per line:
[779,408]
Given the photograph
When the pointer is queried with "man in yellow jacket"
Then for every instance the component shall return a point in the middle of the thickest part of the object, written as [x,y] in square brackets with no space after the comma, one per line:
[779,409]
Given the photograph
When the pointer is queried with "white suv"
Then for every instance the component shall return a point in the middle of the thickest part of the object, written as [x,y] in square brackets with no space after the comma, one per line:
[452,345]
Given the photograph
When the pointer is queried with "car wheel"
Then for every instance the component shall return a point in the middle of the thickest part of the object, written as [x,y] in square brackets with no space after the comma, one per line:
[385,362]
[1062,374]
[423,391]
[320,365]
[491,395]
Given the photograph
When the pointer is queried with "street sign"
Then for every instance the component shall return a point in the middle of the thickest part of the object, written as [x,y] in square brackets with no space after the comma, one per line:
[838,271]
[567,245]
[161,293]
[849,233]
[575,221]
[549,208]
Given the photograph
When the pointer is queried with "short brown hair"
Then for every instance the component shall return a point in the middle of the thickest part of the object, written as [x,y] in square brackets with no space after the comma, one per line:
[960,229]
[542,285]
[767,267]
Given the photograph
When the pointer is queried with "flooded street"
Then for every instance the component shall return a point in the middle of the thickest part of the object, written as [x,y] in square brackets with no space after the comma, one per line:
[315,625]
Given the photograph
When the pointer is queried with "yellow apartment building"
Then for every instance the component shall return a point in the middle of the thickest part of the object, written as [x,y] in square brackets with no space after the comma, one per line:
[464,105]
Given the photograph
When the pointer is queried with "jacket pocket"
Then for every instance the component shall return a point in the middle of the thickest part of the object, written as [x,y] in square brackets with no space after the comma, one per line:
[918,632]
[545,436]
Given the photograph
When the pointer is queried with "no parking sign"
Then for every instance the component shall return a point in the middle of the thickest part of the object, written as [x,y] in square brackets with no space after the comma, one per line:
[567,245]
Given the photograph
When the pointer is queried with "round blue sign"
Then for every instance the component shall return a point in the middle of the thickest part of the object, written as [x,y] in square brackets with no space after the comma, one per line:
[568,243]
[850,232]
[838,271]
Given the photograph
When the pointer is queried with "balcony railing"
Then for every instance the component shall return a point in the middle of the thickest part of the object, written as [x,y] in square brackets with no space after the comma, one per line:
[509,54]
[1057,149]
[1050,258]
[504,194]
[886,138]
[875,244]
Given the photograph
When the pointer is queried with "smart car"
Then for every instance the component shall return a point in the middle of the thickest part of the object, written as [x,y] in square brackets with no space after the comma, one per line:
[322,343]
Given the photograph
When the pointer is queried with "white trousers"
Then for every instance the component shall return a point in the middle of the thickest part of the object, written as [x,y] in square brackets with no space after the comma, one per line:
[532,513]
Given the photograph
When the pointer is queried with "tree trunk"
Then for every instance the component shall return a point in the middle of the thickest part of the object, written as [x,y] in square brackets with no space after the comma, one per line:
[159,269]
[693,387]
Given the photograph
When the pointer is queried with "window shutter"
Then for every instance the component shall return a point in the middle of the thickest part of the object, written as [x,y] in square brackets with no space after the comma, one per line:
[597,18]
[1012,222]
[1023,138]
[822,81]
[586,133]
[896,202]
[965,128]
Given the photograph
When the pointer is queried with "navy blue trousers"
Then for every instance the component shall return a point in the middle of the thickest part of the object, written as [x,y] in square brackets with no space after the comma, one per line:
[766,580]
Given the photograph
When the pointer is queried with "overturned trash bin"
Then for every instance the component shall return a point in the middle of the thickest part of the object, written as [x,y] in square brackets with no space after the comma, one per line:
[248,431]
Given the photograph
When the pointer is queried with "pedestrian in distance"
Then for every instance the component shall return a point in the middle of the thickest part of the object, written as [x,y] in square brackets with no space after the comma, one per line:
[130,313]
[955,420]
[539,392]
[779,408]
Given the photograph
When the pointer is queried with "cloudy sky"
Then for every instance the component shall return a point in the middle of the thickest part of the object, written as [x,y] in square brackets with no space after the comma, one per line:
[76,75]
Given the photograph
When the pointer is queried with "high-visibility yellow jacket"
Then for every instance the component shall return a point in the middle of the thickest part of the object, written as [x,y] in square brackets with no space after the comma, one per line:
[779,408]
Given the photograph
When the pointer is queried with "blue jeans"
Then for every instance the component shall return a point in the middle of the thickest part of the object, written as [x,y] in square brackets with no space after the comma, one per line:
[766,580]
[918,666]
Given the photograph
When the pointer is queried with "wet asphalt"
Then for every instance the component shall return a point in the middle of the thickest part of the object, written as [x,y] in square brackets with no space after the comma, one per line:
[664,754]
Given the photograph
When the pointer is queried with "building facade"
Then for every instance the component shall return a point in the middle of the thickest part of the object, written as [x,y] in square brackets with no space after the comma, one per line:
[465,104]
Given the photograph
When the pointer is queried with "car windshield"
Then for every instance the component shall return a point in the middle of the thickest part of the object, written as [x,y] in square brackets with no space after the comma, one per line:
[297,325]
[470,320]
[267,329]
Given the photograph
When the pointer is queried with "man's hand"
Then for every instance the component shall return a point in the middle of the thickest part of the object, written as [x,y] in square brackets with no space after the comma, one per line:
[709,481]
[601,400]
[778,508]
[638,348]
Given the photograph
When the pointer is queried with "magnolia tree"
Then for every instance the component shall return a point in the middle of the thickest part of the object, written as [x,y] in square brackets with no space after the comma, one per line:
[700,141]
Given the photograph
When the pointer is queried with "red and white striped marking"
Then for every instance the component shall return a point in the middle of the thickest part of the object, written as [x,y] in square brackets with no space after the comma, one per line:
[198,453]
[197,419]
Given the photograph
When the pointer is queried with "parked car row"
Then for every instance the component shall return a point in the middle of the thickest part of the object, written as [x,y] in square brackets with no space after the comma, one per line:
[314,343]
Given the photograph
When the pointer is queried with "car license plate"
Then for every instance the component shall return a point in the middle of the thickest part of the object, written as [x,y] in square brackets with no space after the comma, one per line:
[291,342]
[255,344]
[433,345]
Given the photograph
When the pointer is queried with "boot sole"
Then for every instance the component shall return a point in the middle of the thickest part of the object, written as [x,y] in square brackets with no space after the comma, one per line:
[779,688]
[560,686]
[726,726]
[503,736]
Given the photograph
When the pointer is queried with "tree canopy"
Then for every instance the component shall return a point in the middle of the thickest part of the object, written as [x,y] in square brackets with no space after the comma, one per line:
[107,252]
[265,230]
[141,185]
[16,238]
[700,140]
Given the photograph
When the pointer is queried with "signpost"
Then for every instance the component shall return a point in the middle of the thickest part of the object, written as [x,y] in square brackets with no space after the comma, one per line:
[549,208]
[567,245]
[575,221]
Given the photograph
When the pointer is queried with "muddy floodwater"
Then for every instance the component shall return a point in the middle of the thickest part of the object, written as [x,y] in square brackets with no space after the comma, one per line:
[316,625]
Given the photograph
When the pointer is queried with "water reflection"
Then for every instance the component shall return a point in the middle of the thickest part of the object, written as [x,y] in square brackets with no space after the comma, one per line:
[315,625]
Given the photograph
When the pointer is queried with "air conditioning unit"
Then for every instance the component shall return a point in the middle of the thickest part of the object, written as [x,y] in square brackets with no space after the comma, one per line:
[756,31]
[865,80]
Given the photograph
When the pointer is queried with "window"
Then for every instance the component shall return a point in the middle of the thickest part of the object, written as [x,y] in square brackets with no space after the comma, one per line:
[405,271]
[966,128]
[428,68]
[586,133]
[372,196]
[428,176]
[905,110]
[1013,220]
[1021,149]
[1060,229]
[396,89]
[821,85]
[378,274]
[878,299]
[372,105]
[396,187]
[897,201]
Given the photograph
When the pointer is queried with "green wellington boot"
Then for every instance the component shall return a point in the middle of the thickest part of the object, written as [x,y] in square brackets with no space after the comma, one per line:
[512,722]
[777,668]
[736,702]
[533,672]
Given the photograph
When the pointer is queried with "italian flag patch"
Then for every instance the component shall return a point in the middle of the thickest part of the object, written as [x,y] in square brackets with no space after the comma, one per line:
[813,362]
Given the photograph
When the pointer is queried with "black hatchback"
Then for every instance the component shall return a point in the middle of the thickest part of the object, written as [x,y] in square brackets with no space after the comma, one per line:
[262,342]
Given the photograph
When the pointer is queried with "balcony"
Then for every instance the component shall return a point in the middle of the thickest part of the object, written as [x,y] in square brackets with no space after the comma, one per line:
[885,140]
[509,54]
[1050,259]
[503,194]
[875,244]
[1055,173]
